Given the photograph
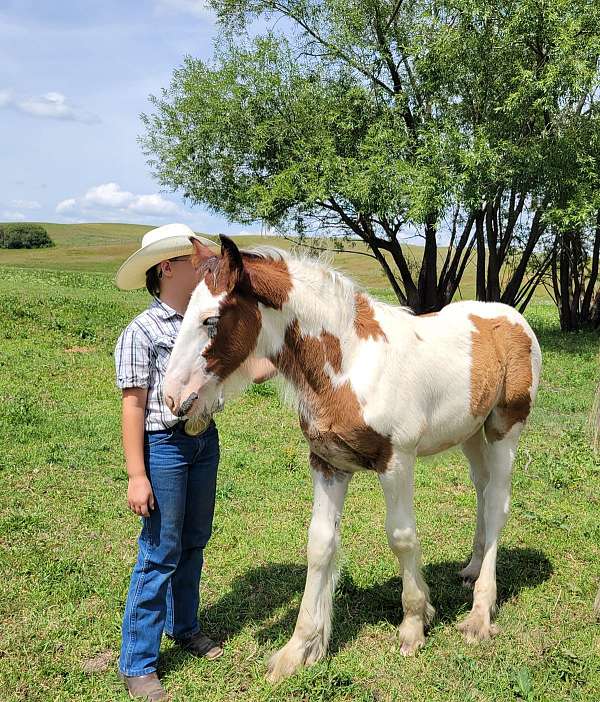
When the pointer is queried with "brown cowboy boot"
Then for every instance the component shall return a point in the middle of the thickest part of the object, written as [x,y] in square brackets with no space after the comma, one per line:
[144,687]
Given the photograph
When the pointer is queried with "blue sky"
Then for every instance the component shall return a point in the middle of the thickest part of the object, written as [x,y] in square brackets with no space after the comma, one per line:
[74,77]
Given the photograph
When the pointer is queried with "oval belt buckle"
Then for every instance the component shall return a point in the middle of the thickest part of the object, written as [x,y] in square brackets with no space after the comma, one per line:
[194,427]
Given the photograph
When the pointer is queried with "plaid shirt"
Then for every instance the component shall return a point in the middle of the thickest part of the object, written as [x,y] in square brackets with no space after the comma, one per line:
[141,357]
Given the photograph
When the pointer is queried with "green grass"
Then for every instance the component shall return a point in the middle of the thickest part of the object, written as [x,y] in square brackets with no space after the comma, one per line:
[103,247]
[67,541]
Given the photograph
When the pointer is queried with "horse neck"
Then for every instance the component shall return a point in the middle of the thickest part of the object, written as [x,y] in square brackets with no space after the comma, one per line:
[321,301]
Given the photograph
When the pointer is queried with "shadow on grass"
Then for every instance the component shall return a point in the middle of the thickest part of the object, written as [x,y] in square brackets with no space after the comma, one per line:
[555,340]
[257,594]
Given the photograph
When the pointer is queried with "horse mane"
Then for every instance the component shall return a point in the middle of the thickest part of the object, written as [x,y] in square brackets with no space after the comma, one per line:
[311,266]
[266,252]
[321,265]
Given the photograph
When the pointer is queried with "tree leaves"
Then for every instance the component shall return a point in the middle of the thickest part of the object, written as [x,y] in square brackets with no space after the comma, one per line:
[380,119]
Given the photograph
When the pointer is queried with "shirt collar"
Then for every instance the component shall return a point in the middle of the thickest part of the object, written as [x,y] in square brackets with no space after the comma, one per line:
[164,310]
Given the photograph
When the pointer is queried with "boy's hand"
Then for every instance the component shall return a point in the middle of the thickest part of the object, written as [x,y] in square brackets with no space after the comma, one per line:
[259,369]
[139,495]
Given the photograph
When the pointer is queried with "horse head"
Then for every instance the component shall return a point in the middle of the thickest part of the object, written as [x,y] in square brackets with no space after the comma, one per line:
[222,324]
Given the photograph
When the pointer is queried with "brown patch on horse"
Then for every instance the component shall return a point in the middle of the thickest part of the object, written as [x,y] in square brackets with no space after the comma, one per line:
[259,280]
[317,463]
[215,274]
[333,351]
[237,334]
[365,324]
[501,375]
[201,252]
[269,280]
[332,419]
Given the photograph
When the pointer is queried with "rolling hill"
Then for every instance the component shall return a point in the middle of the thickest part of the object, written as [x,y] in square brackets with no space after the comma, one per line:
[102,247]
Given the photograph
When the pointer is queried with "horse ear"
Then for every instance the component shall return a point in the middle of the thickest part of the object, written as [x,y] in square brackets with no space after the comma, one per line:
[232,259]
[201,252]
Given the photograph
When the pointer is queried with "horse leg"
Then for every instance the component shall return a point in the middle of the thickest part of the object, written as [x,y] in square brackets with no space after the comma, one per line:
[597,605]
[474,450]
[398,488]
[499,458]
[311,635]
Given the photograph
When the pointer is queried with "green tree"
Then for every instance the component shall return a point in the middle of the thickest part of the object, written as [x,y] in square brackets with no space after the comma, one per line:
[24,235]
[528,98]
[391,122]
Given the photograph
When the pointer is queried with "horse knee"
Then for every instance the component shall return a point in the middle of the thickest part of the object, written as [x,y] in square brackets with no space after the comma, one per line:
[402,540]
[322,544]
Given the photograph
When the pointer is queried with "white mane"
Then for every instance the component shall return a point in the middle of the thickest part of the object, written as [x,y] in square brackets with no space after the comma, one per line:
[310,270]
[266,252]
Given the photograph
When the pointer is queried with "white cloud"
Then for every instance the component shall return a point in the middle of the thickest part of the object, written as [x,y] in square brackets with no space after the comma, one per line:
[7,215]
[26,204]
[198,8]
[110,199]
[108,195]
[51,105]
[154,205]
[66,205]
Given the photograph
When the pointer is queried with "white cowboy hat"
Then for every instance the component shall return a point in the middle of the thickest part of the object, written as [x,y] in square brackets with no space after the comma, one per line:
[168,241]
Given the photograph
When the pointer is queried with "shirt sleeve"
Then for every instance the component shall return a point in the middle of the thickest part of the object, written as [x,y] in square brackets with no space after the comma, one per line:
[132,359]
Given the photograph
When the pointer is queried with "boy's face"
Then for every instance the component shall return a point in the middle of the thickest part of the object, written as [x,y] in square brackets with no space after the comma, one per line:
[181,273]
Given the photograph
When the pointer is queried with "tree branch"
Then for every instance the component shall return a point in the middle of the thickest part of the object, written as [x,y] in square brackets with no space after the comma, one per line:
[332,48]
[323,248]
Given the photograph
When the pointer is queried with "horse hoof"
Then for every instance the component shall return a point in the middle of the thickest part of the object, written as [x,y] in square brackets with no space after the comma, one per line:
[410,648]
[469,575]
[477,627]
[284,663]
[412,638]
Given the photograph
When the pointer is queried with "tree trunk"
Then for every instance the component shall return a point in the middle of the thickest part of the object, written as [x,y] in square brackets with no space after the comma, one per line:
[586,312]
[493,269]
[480,287]
[577,301]
[537,229]
[456,262]
[428,292]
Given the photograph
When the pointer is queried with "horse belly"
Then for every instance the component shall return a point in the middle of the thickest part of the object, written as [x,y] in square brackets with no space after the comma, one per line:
[439,440]
[448,421]
[332,449]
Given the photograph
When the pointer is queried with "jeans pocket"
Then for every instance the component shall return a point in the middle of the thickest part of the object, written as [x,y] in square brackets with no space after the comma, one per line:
[156,438]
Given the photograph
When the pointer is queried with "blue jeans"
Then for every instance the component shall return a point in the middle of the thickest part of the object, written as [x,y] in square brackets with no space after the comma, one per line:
[164,589]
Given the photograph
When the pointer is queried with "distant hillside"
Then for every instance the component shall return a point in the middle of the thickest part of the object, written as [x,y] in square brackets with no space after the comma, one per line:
[82,247]
[103,247]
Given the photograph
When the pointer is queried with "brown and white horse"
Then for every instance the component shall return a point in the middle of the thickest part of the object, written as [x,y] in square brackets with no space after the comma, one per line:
[376,387]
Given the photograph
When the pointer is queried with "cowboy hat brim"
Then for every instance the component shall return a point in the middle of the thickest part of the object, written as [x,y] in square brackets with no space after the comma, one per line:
[132,274]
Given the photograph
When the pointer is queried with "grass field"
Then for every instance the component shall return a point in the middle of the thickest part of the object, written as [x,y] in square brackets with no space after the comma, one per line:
[67,542]
[103,247]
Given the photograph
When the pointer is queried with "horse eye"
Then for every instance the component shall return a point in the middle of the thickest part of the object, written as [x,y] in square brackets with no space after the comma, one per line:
[211,324]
